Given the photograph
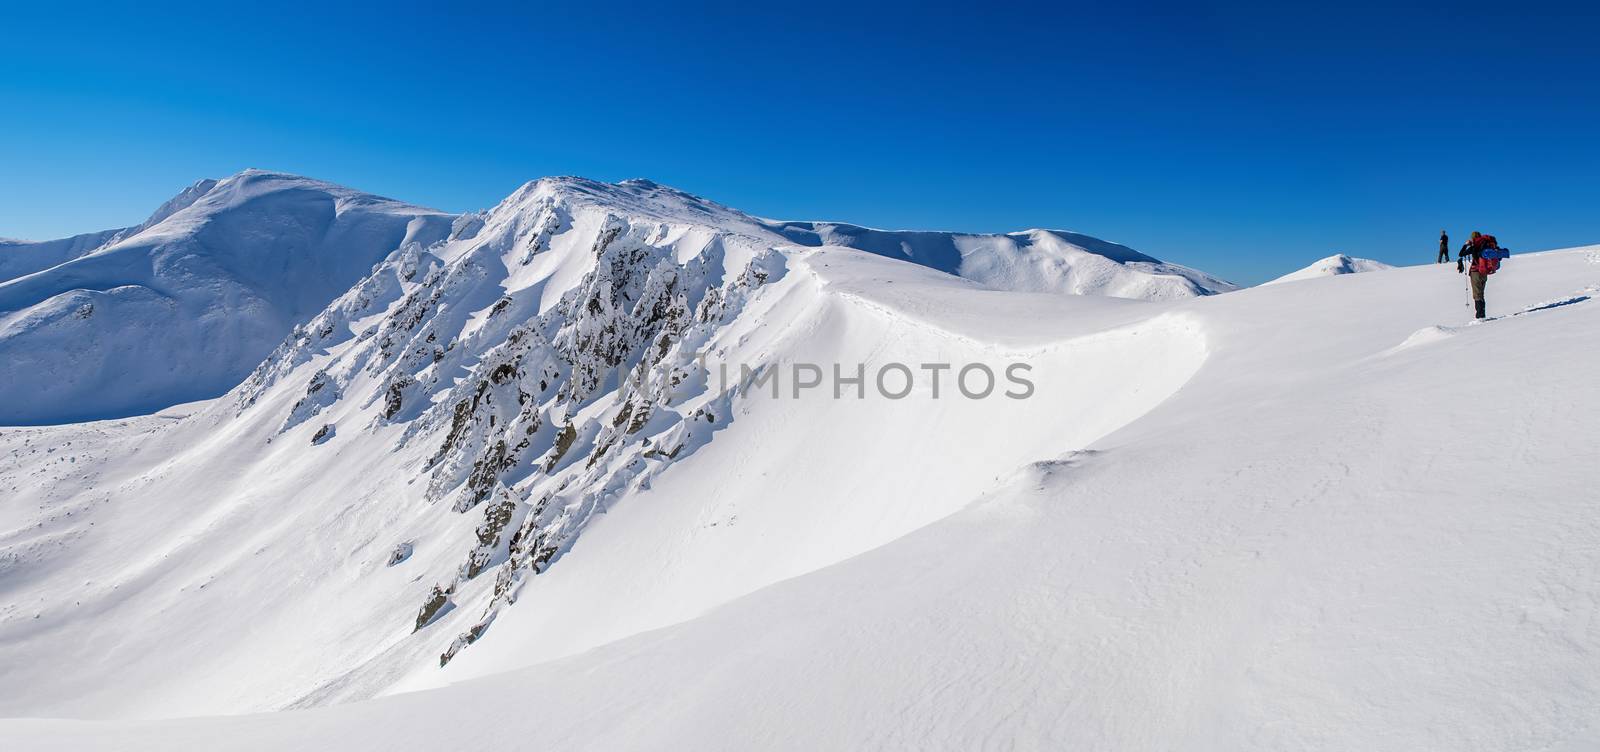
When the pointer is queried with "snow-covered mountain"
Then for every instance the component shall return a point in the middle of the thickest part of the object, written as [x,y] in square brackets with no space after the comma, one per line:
[184,305]
[1029,261]
[514,470]
[1332,266]
[501,384]
[21,257]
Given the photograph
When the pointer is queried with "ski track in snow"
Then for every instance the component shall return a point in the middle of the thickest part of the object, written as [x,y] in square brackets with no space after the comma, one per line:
[1437,333]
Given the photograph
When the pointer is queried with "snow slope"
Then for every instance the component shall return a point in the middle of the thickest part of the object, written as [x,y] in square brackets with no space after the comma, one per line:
[1268,549]
[184,306]
[1332,266]
[465,406]
[504,470]
[22,257]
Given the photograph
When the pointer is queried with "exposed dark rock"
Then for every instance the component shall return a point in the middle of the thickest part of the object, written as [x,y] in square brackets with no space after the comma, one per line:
[497,517]
[401,552]
[564,441]
[640,418]
[395,396]
[434,606]
[467,638]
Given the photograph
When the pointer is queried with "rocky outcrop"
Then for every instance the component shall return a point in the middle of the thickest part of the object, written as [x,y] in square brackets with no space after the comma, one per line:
[535,407]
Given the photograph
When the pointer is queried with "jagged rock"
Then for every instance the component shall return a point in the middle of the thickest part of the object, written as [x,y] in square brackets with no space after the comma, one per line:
[465,639]
[400,553]
[564,441]
[323,434]
[497,516]
[437,604]
[640,418]
[395,396]
[485,474]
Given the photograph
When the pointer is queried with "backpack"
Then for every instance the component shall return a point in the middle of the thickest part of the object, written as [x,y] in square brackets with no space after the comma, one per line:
[1488,254]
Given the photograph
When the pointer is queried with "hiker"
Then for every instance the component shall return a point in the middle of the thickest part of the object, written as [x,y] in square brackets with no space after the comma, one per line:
[1444,247]
[1484,263]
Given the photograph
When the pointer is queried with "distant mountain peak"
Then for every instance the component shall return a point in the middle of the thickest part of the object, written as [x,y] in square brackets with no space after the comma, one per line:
[1333,266]
[222,271]
[1054,261]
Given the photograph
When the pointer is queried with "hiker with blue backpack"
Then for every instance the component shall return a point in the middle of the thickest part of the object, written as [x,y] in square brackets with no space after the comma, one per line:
[1486,254]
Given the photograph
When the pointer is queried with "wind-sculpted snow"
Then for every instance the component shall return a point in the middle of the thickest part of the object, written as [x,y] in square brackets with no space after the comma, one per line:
[183,307]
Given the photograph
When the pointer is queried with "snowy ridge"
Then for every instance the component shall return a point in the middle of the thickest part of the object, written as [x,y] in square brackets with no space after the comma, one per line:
[182,307]
[1052,261]
[20,258]
[224,269]
[1029,261]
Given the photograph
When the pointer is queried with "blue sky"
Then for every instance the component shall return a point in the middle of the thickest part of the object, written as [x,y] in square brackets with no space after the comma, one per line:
[1246,141]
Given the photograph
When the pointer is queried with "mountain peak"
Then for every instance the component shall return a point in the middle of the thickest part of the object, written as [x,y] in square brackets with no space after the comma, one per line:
[1333,266]
[223,270]
[183,200]
[257,175]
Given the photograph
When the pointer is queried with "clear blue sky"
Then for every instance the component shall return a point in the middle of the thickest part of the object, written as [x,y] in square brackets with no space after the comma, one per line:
[1246,141]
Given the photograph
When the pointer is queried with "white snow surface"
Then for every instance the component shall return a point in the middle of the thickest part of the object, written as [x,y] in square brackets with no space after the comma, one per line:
[1314,516]
[183,306]
[1332,266]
